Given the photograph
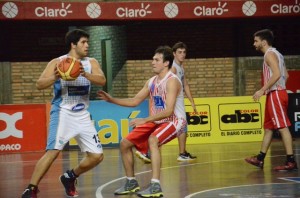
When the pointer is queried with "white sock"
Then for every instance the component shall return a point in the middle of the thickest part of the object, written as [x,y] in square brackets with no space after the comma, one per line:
[155,180]
[130,178]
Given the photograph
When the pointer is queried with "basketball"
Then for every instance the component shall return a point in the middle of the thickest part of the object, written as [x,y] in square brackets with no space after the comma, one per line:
[69,68]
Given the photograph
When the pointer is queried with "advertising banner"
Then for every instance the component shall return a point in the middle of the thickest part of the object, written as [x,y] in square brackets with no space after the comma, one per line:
[225,119]
[293,82]
[22,128]
[147,10]
[112,121]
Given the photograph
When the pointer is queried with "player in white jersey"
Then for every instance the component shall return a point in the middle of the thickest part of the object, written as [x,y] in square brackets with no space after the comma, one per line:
[69,117]
[179,52]
[165,122]
[275,76]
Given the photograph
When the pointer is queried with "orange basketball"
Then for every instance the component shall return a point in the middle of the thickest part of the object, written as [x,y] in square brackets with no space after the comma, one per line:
[69,68]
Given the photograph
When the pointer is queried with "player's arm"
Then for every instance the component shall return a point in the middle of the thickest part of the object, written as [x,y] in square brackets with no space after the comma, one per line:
[127,102]
[97,76]
[48,76]
[188,93]
[173,90]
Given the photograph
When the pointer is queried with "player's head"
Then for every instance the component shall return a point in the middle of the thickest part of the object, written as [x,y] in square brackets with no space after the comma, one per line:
[265,35]
[167,54]
[73,36]
[179,52]
[179,45]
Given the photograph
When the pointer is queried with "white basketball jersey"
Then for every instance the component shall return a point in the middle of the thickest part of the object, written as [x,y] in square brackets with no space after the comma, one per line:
[73,95]
[158,92]
[267,72]
[179,71]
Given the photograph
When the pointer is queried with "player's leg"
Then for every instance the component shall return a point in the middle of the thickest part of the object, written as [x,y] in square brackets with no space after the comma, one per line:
[88,141]
[135,138]
[280,103]
[164,133]
[52,151]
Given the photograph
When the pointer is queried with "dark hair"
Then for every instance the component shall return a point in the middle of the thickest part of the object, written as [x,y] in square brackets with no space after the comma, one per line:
[74,36]
[167,53]
[179,45]
[266,35]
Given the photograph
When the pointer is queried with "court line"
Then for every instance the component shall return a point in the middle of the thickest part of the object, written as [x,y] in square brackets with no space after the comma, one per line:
[100,188]
[209,190]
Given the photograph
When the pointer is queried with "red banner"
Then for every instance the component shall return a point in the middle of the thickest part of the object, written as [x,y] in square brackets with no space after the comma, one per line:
[22,128]
[293,82]
[23,10]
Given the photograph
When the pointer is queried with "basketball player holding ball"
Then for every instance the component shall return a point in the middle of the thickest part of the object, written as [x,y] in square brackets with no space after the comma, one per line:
[69,117]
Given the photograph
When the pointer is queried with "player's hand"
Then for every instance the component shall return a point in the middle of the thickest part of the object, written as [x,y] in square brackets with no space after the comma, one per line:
[104,96]
[137,121]
[257,95]
[194,108]
[56,73]
[82,71]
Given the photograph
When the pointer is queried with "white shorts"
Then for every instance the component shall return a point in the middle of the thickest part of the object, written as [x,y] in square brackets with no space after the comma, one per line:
[65,124]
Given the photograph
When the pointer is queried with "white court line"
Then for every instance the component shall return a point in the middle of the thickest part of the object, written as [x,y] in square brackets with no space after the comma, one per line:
[100,188]
[209,190]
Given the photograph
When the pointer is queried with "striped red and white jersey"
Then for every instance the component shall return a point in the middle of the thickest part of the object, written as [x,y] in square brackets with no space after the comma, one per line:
[158,92]
[267,72]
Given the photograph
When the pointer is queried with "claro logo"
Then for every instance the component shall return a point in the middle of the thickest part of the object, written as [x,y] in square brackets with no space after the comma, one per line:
[125,12]
[56,12]
[207,11]
[285,9]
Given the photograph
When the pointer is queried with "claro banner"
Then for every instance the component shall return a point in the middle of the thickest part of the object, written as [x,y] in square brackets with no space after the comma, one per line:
[147,10]
[22,128]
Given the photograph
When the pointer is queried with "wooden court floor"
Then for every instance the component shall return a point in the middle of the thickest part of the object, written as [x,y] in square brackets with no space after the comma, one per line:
[219,171]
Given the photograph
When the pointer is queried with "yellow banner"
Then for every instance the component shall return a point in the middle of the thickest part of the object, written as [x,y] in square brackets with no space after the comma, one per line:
[225,119]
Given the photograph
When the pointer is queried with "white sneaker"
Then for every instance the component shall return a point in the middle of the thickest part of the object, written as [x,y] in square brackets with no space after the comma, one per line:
[145,157]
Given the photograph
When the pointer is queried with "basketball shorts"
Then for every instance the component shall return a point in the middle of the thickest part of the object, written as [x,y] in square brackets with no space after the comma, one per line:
[65,124]
[276,110]
[165,132]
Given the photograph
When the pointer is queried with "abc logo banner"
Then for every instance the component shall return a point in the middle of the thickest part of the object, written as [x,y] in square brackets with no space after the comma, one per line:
[224,119]
[240,116]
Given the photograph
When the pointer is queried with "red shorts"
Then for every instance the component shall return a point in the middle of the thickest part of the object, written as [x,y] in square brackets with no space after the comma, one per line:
[276,110]
[139,136]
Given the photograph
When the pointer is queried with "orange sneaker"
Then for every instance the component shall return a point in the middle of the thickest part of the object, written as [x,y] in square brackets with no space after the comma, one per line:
[255,162]
[289,166]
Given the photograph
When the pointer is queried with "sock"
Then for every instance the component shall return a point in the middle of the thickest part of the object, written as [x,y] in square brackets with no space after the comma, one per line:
[130,178]
[71,174]
[290,158]
[261,156]
[155,180]
[32,187]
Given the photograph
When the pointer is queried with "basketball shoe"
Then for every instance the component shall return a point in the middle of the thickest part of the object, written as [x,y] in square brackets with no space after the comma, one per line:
[289,166]
[154,190]
[145,157]
[255,162]
[131,186]
[69,184]
[185,157]
[30,192]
